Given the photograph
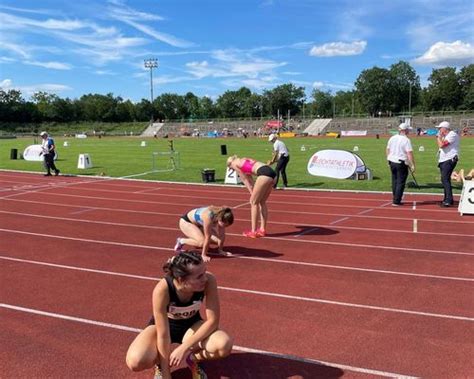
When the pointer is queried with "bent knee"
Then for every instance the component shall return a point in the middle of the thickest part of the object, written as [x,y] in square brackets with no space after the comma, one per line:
[137,363]
[223,346]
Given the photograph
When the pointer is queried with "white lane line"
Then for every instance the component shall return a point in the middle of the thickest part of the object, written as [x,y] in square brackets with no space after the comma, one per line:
[346,244]
[306,231]
[365,211]
[415,225]
[385,204]
[414,205]
[264,293]
[391,231]
[147,190]
[339,220]
[279,261]
[235,347]
[273,211]
[82,211]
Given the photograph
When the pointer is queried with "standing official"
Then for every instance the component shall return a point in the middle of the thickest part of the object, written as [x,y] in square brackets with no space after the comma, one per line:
[448,143]
[400,158]
[48,152]
[281,156]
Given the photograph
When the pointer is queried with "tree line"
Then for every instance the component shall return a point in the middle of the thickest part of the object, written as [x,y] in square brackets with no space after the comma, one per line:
[377,92]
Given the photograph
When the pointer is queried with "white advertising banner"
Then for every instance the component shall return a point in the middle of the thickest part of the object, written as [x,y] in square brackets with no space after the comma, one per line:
[353,133]
[33,153]
[338,164]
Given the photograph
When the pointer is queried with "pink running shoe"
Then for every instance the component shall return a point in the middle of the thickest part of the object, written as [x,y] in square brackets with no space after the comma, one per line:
[250,234]
[179,246]
[261,232]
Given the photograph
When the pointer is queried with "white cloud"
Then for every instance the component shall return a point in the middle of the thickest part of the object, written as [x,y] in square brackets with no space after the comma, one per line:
[332,86]
[15,48]
[338,49]
[7,84]
[457,53]
[52,65]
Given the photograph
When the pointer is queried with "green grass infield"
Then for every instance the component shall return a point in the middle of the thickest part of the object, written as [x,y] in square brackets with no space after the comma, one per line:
[125,157]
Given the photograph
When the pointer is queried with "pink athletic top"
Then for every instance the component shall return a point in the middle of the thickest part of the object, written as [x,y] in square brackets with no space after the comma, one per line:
[247,166]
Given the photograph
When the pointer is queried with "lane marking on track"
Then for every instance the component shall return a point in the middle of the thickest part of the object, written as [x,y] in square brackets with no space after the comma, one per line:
[365,211]
[306,232]
[223,199]
[83,211]
[415,225]
[414,205]
[346,244]
[250,258]
[385,204]
[147,190]
[57,204]
[341,219]
[235,347]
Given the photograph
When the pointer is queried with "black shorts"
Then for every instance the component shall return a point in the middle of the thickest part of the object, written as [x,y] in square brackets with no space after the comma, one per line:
[186,218]
[179,328]
[266,171]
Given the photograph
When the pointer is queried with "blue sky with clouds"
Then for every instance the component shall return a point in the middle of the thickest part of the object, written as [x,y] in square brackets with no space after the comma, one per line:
[207,47]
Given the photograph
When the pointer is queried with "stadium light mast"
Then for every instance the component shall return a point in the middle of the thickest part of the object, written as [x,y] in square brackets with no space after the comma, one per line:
[409,99]
[151,64]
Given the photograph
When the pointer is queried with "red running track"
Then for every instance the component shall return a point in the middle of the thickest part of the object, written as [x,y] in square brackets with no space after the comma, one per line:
[343,284]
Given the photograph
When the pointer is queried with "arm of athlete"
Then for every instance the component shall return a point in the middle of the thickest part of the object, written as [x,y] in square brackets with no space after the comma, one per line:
[163,339]
[207,229]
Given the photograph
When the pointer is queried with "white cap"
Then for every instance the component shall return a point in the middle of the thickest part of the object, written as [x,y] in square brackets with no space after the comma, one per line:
[404,126]
[271,137]
[444,124]
[43,134]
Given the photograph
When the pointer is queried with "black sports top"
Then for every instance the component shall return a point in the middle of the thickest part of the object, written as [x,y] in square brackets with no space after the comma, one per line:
[178,310]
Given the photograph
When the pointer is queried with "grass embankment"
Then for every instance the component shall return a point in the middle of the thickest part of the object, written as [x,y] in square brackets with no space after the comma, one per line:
[124,156]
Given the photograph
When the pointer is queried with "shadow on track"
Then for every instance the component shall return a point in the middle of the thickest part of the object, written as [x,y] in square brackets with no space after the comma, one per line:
[251,366]
[306,231]
[245,251]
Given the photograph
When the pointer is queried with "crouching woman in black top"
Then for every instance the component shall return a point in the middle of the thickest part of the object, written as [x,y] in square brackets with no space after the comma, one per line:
[177,301]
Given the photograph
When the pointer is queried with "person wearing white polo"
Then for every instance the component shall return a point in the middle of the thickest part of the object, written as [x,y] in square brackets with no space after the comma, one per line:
[281,156]
[400,158]
[448,143]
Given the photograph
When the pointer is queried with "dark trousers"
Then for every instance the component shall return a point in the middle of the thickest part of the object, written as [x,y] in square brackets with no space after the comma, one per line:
[446,168]
[49,163]
[399,179]
[281,168]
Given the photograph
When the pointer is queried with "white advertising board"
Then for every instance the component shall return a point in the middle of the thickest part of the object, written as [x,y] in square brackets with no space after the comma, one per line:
[33,153]
[466,203]
[338,164]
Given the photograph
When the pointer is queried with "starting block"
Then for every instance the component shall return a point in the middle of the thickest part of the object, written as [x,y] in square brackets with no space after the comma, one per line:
[84,161]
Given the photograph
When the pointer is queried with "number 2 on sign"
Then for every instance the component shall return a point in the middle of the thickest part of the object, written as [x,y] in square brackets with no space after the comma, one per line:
[231,173]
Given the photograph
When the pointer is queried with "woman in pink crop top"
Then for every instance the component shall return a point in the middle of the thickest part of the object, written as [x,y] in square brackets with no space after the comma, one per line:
[259,189]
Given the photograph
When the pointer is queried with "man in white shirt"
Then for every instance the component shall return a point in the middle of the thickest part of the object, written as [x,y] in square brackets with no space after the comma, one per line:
[448,143]
[400,158]
[48,151]
[281,156]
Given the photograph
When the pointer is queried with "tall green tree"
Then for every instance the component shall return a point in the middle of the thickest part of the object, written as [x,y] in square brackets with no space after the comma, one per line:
[375,90]
[405,87]
[284,98]
[466,81]
[444,91]
[322,105]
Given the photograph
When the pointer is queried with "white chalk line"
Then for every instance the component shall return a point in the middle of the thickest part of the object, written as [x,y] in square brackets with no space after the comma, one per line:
[235,347]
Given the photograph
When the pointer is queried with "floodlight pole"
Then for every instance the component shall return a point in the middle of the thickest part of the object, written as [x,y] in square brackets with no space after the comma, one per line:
[409,100]
[151,64]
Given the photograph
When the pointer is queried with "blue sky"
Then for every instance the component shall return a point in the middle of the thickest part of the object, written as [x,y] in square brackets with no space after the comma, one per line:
[207,47]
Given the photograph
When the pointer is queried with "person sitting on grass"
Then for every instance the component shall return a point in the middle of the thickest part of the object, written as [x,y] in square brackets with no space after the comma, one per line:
[459,176]
[177,301]
[205,225]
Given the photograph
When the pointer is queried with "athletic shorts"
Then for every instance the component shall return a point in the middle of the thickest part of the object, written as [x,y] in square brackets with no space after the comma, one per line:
[186,218]
[179,328]
[266,171]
